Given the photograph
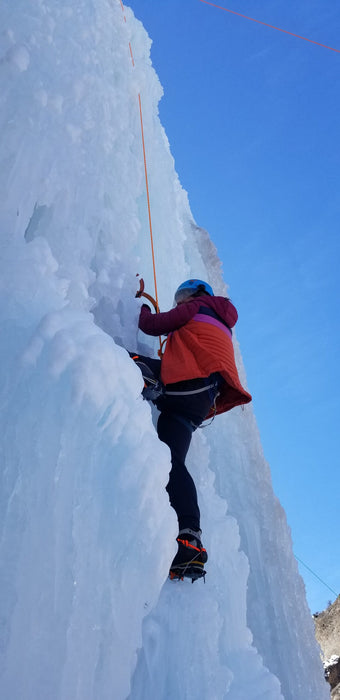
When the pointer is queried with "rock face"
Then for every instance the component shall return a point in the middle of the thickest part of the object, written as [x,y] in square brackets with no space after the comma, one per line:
[327,631]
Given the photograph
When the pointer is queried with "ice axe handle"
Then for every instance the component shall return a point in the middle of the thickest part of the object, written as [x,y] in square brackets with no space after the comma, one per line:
[141,293]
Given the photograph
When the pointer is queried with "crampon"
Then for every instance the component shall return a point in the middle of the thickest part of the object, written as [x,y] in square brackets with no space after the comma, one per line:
[194,571]
[189,560]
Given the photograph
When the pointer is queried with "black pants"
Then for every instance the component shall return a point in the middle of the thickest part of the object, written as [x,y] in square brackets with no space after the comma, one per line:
[181,487]
[180,415]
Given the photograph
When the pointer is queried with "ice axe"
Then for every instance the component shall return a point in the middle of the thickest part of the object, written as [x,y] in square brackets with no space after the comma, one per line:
[142,293]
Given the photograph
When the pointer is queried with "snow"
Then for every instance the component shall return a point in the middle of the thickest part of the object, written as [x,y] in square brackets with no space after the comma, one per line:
[87,533]
[332,661]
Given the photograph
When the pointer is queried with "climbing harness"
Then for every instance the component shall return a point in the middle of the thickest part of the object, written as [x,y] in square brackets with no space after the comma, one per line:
[197,391]
[189,393]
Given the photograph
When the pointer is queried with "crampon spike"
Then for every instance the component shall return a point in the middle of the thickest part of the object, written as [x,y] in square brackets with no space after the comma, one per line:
[192,572]
[173,575]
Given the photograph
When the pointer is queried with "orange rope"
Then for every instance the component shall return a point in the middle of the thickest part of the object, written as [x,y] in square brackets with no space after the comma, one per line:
[131,54]
[147,191]
[123,10]
[148,198]
[297,36]
[146,174]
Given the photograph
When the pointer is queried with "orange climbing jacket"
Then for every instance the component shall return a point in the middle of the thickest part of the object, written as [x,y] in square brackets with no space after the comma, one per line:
[199,344]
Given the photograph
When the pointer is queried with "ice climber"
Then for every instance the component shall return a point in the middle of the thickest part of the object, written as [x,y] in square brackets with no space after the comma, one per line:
[196,379]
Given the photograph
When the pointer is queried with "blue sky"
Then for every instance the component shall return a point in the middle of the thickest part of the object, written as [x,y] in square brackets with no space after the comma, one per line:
[252,116]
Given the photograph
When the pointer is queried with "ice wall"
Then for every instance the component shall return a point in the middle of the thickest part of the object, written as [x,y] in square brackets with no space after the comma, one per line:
[86,531]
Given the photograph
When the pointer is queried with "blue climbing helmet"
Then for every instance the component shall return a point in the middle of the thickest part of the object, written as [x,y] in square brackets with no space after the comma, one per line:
[192,288]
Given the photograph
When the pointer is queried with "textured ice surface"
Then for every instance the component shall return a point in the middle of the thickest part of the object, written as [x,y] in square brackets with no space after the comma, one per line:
[87,533]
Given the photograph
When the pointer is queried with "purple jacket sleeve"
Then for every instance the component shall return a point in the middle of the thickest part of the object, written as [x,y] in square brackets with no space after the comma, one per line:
[164,323]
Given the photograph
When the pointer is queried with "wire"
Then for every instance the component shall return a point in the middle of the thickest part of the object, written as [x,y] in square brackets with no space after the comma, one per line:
[316,576]
[271,26]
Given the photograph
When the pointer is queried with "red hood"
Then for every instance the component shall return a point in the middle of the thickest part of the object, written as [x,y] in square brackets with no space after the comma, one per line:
[222,306]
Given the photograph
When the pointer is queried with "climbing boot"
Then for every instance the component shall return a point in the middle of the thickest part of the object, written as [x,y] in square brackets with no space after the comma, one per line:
[191,556]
